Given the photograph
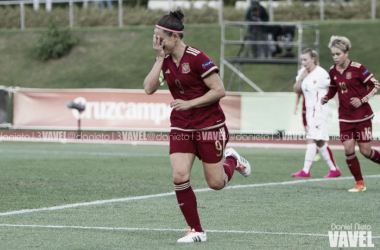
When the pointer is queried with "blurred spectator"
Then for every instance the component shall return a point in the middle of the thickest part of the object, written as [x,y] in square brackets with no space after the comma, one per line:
[257,13]
[284,34]
[103,4]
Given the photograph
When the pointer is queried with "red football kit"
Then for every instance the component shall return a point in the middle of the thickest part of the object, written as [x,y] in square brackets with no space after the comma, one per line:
[355,81]
[186,83]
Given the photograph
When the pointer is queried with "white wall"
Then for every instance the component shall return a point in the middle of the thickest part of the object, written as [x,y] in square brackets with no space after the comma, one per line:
[170,5]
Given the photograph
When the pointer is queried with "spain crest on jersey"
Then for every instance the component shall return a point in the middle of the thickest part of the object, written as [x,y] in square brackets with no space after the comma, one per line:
[348,75]
[185,68]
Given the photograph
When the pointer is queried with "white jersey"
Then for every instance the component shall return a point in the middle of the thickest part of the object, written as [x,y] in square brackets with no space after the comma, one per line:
[314,87]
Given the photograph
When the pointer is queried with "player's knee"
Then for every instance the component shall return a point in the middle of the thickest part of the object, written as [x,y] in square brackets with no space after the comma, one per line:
[216,185]
[179,176]
[366,152]
[349,150]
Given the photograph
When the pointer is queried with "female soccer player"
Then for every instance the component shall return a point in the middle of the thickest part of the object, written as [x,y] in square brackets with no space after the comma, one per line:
[355,86]
[303,116]
[197,120]
[314,81]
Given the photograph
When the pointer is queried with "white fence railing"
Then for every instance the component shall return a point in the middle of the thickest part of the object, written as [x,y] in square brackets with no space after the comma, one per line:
[49,4]
[276,35]
[169,5]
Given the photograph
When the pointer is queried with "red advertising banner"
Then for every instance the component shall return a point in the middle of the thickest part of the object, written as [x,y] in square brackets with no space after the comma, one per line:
[106,109]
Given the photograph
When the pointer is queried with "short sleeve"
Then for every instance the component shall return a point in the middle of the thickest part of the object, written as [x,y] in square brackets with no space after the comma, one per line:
[205,66]
[364,74]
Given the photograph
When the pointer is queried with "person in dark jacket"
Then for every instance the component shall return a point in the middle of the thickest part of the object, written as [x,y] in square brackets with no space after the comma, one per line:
[257,13]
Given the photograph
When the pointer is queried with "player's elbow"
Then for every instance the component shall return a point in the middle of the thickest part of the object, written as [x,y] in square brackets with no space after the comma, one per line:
[149,88]
[222,93]
[297,88]
[149,91]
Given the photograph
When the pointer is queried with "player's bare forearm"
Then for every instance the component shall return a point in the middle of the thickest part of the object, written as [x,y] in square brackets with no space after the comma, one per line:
[215,93]
[297,87]
[324,100]
[297,102]
[210,97]
[151,82]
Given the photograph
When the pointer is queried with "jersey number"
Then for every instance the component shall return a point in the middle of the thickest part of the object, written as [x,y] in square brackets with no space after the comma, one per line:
[179,85]
[219,148]
[343,86]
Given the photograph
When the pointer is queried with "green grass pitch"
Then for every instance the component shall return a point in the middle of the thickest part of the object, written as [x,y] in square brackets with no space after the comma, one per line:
[86,196]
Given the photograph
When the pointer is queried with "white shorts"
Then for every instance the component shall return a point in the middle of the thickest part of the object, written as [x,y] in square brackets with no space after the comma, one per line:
[317,128]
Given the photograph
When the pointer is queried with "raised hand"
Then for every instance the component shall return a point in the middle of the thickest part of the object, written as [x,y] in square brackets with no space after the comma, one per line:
[158,45]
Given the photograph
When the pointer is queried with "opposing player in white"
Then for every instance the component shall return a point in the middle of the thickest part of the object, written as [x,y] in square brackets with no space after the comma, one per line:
[314,82]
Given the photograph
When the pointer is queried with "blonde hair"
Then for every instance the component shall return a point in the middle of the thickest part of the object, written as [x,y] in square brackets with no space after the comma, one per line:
[340,42]
[312,53]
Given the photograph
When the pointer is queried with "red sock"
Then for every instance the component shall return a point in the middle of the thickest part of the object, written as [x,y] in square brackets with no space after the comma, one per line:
[375,156]
[354,166]
[229,166]
[188,204]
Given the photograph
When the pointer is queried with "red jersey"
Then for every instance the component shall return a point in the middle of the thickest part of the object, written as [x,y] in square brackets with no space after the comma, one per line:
[355,81]
[186,83]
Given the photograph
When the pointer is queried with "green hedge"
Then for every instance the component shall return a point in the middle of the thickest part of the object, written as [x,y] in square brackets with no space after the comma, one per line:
[54,44]
[93,16]
[111,57]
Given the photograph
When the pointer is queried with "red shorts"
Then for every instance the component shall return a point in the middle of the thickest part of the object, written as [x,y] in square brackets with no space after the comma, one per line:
[208,145]
[361,131]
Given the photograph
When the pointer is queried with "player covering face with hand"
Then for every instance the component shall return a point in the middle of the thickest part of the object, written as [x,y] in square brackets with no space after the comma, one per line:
[355,85]
[313,81]
[196,89]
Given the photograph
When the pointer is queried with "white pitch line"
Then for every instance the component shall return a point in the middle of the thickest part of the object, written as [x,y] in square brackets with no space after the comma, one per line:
[162,230]
[154,229]
[81,153]
[144,197]
[166,143]
[83,204]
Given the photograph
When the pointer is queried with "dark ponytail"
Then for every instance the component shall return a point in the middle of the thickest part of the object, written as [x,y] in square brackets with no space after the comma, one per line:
[174,21]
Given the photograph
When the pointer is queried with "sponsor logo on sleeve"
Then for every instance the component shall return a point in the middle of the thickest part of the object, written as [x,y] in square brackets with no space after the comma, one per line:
[366,72]
[207,64]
